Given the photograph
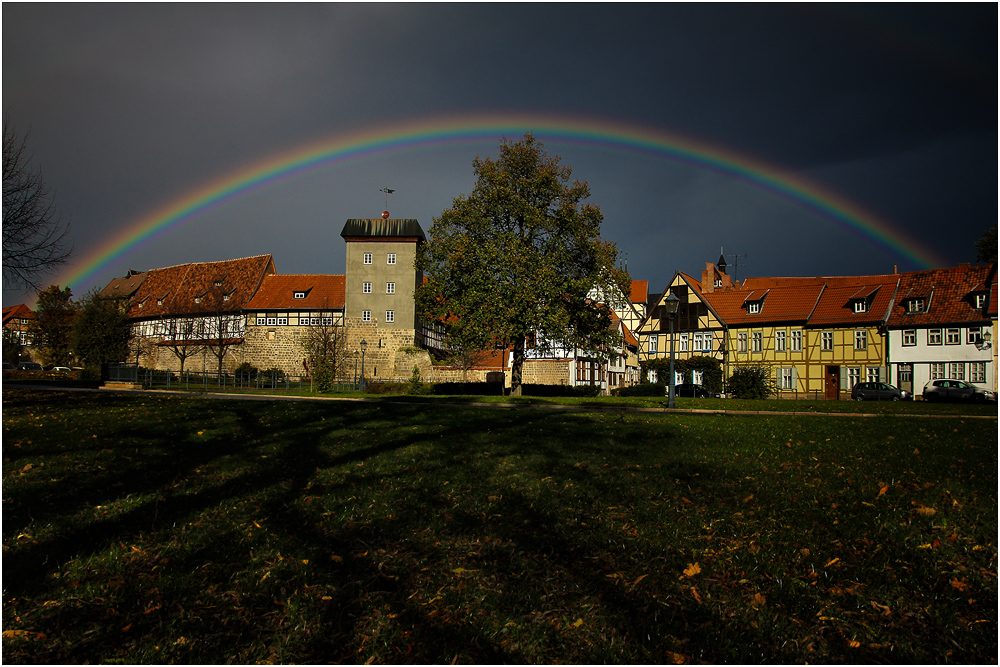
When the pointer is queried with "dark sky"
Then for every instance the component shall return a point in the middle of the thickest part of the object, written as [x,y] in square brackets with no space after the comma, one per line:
[890,107]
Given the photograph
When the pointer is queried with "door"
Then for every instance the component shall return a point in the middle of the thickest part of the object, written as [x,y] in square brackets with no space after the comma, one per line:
[906,377]
[833,383]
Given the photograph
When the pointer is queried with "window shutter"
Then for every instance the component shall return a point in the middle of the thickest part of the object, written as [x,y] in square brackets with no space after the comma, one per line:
[795,378]
[843,379]
[883,374]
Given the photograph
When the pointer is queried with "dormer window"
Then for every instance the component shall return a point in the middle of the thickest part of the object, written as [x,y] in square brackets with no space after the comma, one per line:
[140,304]
[978,300]
[159,302]
[197,299]
[915,306]
[225,297]
[718,282]
[218,283]
[860,306]
[753,307]
[298,295]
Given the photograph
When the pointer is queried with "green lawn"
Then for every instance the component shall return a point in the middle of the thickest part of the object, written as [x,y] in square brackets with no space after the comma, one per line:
[149,529]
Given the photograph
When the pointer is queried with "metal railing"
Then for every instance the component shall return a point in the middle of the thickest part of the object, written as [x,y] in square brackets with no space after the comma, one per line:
[193,380]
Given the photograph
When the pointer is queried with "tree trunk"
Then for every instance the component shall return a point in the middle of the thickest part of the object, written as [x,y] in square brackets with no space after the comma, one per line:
[516,366]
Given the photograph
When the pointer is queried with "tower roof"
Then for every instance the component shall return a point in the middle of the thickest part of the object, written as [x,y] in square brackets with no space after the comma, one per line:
[379,228]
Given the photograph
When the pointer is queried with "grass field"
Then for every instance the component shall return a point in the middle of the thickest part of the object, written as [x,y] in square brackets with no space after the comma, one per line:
[148,529]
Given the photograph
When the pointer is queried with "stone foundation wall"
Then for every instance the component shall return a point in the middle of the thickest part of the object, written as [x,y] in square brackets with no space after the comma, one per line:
[545,371]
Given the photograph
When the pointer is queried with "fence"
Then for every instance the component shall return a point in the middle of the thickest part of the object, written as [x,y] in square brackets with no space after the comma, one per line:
[151,378]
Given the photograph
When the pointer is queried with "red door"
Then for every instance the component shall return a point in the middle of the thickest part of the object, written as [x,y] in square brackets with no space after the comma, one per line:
[833,383]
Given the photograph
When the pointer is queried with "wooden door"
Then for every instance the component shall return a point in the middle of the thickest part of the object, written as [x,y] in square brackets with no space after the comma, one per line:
[833,383]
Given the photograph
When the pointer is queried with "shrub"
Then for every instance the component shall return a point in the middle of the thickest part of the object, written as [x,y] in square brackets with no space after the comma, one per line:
[755,381]
[551,390]
[324,377]
[386,388]
[246,370]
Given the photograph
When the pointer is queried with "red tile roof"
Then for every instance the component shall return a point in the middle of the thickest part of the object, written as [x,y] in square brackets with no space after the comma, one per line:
[640,290]
[277,292]
[836,306]
[173,290]
[18,312]
[780,304]
[123,287]
[948,295]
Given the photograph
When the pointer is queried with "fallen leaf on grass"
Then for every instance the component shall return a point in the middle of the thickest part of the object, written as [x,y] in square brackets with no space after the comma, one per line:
[883,490]
[926,511]
[24,633]
[881,607]
[757,600]
[676,658]
[854,644]
[694,592]
[578,623]
[692,570]
[831,562]
[639,579]
[958,584]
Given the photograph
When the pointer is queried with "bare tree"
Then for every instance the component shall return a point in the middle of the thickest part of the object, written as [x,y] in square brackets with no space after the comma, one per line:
[325,345]
[34,237]
[183,335]
[465,357]
[224,326]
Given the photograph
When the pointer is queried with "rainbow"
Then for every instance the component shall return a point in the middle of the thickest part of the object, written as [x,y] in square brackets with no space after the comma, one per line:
[468,129]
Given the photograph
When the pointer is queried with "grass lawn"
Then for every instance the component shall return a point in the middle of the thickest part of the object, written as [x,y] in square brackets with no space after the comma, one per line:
[152,529]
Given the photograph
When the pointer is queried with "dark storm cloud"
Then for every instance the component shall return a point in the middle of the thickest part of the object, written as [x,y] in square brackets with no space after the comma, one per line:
[891,106]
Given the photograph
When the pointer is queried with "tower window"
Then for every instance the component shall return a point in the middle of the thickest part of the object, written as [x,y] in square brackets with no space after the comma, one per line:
[368,258]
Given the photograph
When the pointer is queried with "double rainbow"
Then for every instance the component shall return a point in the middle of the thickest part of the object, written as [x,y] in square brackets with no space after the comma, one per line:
[468,129]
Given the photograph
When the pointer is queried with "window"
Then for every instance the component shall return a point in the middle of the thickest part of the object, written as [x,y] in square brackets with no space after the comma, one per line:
[937,371]
[905,373]
[758,341]
[953,336]
[299,295]
[703,341]
[853,376]
[780,341]
[651,346]
[826,341]
[366,288]
[741,342]
[390,316]
[272,321]
[786,379]
[933,336]
[314,321]
[873,374]
[303,321]
[197,299]
[915,306]
[140,303]
[218,283]
[390,288]
[366,316]
[718,282]
[753,307]
[909,337]
[979,300]
[390,258]
[261,321]
[974,336]
[368,258]
[956,371]
[860,306]
[683,345]
[977,371]
[225,297]
[861,340]
[159,302]
[797,340]
[327,321]
[697,376]
[282,321]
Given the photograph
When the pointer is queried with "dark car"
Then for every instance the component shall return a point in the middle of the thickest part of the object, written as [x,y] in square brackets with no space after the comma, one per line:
[956,390]
[878,391]
[691,391]
[29,366]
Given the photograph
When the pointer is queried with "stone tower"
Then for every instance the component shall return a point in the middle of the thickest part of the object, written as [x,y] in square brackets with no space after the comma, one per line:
[380,279]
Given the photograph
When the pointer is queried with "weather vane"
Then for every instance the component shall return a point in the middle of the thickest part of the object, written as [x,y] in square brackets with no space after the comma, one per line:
[388,191]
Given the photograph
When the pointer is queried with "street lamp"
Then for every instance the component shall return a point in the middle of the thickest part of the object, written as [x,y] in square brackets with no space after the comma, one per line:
[671,304]
[986,342]
[355,368]
[364,344]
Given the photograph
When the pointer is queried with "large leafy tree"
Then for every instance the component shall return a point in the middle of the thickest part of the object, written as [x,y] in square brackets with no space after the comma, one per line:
[514,261]
[101,330]
[52,329]
[986,246]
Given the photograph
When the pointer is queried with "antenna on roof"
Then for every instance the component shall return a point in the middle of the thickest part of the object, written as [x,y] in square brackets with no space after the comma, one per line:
[388,191]
[736,266]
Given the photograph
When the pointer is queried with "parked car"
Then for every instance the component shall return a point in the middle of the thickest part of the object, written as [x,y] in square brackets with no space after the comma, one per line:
[956,390]
[29,366]
[692,391]
[878,391]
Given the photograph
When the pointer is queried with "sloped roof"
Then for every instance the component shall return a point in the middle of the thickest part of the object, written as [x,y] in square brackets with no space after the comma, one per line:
[639,292]
[277,292]
[783,304]
[836,306]
[948,294]
[124,287]
[829,281]
[381,228]
[178,286]
[18,312]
